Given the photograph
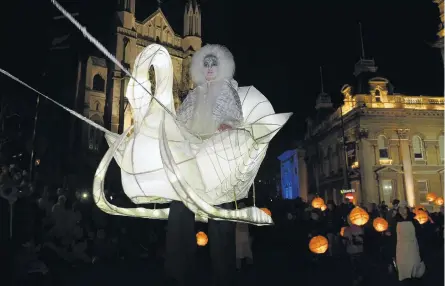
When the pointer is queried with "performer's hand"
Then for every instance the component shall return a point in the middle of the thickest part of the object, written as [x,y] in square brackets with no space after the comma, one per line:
[224,127]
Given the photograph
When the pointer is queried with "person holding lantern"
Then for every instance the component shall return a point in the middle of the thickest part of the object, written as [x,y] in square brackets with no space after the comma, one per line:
[354,238]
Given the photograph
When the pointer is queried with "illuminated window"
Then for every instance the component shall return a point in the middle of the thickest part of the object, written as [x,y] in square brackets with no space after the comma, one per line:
[387,190]
[441,147]
[98,83]
[377,96]
[382,143]
[418,148]
[422,188]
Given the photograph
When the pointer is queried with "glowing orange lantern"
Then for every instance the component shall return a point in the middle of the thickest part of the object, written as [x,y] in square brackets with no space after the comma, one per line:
[359,216]
[201,238]
[380,224]
[342,231]
[318,244]
[267,211]
[421,216]
[323,207]
[439,201]
[431,197]
[317,203]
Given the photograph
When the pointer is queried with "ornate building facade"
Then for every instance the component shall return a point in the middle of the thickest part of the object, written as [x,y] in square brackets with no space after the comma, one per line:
[103,84]
[378,145]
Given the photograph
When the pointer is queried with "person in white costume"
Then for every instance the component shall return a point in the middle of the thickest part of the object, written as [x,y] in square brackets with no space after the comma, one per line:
[410,266]
[213,106]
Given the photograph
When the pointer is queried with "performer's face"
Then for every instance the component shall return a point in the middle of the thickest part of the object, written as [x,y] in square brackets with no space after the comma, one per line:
[210,67]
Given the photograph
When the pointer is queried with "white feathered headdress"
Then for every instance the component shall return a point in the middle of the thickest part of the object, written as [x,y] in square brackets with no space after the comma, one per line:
[226,63]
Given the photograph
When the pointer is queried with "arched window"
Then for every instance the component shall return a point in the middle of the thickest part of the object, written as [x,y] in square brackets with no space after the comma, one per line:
[98,83]
[418,148]
[97,106]
[94,135]
[377,96]
[441,147]
[382,143]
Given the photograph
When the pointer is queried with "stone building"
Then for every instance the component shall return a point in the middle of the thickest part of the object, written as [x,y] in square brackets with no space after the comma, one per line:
[378,145]
[102,85]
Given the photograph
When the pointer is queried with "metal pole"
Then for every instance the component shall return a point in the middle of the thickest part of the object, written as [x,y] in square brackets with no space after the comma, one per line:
[31,163]
[253,191]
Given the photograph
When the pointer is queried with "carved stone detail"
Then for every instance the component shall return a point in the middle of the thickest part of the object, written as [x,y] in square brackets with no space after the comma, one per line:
[403,133]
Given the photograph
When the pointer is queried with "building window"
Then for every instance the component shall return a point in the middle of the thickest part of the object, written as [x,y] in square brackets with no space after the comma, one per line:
[377,96]
[387,190]
[98,83]
[94,137]
[422,188]
[97,106]
[418,148]
[441,147]
[382,143]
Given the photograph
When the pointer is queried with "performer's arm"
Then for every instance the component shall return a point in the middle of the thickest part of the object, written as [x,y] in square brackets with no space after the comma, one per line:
[229,107]
[185,110]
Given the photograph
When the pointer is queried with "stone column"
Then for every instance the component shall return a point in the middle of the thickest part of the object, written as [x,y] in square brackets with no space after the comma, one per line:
[407,167]
[368,182]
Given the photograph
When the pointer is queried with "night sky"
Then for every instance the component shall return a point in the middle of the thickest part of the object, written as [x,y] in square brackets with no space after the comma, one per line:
[278,46]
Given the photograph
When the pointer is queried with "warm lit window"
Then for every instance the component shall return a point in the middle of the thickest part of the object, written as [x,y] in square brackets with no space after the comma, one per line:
[422,188]
[382,143]
[387,190]
[377,96]
[441,150]
[418,148]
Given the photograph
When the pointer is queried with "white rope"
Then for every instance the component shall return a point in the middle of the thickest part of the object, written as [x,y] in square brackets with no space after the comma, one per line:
[81,117]
[95,42]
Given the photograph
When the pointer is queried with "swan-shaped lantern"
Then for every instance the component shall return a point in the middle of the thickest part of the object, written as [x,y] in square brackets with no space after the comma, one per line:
[161,160]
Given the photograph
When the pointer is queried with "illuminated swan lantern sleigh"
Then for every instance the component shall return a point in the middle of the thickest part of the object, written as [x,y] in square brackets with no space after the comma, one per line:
[161,160]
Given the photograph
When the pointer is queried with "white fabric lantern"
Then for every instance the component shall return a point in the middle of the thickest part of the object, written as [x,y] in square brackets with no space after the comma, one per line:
[162,161]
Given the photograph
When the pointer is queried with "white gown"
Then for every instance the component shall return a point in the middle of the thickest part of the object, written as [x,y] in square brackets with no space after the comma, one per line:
[407,250]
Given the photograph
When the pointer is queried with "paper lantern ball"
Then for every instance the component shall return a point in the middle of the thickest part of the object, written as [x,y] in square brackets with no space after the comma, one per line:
[201,238]
[267,211]
[359,216]
[431,197]
[416,209]
[439,201]
[421,217]
[342,231]
[318,244]
[323,207]
[380,224]
[317,203]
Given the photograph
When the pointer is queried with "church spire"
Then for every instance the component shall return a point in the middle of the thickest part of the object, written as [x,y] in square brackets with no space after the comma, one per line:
[127,6]
[192,19]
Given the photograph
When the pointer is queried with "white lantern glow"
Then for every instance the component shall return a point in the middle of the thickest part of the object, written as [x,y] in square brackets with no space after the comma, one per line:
[161,161]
